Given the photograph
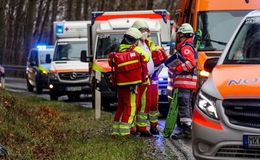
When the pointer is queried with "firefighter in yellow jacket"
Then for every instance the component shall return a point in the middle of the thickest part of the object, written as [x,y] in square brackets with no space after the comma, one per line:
[127,95]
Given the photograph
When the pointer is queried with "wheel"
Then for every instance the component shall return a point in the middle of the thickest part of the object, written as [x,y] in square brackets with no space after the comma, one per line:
[93,99]
[38,89]
[74,97]
[93,87]
[106,105]
[53,97]
[29,87]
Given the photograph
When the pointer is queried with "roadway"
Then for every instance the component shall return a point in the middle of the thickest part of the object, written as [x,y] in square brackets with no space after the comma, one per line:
[181,148]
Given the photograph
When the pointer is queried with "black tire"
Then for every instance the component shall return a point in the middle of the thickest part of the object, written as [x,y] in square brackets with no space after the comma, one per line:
[38,89]
[73,97]
[163,109]
[93,87]
[29,87]
[53,97]
[106,105]
[93,100]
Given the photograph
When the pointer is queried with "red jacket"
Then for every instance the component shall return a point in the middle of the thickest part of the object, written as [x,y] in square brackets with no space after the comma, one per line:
[185,77]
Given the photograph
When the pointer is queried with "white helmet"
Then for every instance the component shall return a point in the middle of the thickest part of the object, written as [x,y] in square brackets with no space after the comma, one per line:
[185,28]
[134,33]
[140,24]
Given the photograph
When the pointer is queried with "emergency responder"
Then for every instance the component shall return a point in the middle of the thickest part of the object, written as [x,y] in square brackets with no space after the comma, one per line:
[185,79]
[149,92]
[127,95]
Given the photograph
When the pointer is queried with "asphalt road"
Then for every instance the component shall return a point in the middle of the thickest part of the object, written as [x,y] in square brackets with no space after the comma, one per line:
[181,148]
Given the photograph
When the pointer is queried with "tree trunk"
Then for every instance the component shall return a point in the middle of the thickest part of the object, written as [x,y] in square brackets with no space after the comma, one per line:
[78,9]
[69,7]
[150,4]
[45,18]
[53,18]
[2,30]
[86,10]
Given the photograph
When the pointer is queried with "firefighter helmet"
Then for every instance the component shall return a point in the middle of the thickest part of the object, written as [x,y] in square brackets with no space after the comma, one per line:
[135,33]
[140,24]
[185,28]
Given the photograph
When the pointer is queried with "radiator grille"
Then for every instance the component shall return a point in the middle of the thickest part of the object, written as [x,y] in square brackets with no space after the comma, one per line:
[243,112]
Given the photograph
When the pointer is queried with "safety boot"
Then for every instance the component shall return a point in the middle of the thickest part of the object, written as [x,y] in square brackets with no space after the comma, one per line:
[154,130]
[184,133]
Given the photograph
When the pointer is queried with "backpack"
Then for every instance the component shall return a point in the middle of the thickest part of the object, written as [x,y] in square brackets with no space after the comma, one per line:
[129,68]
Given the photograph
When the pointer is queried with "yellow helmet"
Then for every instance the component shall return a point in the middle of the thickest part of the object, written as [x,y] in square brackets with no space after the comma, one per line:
[140,24]
[134,32]
[185,28]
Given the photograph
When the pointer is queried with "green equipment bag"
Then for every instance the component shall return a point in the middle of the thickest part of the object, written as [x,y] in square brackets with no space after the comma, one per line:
[172,115]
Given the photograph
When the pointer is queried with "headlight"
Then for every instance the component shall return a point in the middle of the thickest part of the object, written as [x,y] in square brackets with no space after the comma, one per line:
[207,105]
[44,72]
[53,76]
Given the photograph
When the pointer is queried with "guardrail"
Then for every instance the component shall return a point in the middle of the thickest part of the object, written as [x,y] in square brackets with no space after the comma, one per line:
[14,67]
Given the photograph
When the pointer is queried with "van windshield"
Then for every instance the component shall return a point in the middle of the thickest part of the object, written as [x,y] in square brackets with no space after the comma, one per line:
[69,51]
[217,27]
[110,42]
[245,48]
[42,56]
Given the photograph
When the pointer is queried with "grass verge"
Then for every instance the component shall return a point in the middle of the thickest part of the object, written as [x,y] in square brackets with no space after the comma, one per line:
[34,128]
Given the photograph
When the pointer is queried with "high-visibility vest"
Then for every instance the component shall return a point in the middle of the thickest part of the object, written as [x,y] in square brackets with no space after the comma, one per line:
[130,67]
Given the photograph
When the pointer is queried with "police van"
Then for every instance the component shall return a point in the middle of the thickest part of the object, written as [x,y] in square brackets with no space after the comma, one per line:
[37,67]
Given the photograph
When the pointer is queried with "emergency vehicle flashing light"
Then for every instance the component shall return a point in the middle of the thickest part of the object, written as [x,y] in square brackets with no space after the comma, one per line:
[60,28]
[41,47]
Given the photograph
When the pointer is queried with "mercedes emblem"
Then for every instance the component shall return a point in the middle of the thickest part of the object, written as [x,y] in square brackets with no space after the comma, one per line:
[73,75]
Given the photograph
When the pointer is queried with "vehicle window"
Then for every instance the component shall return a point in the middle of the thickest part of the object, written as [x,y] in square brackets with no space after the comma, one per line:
[107,43]
[154,37]
[33,57]
[246,45]
[43,57]
[217,28]
[110,42]
[69,51]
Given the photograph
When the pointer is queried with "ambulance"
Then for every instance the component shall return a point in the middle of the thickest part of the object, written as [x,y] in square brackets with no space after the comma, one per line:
[106,33]
[38,67]
[68,74]
[217,19]
[226,118]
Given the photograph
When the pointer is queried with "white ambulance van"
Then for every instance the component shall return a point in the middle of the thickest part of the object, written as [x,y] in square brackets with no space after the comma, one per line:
[106,33]
[68,75]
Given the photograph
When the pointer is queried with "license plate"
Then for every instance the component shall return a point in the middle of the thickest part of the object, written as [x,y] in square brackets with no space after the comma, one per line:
[251,141]
[73,88]
[162,92]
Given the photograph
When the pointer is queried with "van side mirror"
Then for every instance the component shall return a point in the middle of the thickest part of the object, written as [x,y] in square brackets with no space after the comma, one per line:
[48,58]
[83,56]
[210,64]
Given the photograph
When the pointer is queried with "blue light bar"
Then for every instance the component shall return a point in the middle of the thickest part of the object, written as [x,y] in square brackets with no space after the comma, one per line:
[41,47]
[163,13]
[94,15]
[60,28]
